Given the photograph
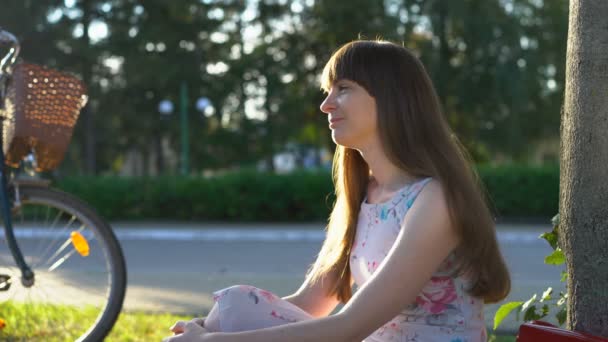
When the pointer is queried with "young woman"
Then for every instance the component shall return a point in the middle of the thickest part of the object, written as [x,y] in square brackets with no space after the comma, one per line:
[410,226]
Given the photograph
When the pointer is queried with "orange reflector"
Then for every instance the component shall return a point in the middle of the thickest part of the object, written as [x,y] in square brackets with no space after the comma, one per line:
[80,243]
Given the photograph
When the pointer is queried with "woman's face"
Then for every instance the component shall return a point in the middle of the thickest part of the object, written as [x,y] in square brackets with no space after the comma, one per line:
[351,113]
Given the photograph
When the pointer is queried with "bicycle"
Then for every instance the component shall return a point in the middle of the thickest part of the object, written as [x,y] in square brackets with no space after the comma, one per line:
[69,278]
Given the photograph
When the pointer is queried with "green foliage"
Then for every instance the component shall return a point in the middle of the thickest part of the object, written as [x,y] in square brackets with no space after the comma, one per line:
[509,54]
[244,196]
[556,257]
[515,187]
[534,308]
[504,311]
[253,196]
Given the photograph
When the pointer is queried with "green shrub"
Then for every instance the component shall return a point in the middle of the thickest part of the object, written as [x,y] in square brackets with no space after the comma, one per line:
[299,196]
[540,307]
[522,191]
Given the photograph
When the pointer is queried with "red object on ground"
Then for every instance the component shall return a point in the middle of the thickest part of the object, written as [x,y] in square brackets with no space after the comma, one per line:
[539,331]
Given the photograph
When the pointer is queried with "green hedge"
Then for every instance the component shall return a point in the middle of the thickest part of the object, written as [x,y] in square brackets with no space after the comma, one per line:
[300,196]
[245,196]
[522,191]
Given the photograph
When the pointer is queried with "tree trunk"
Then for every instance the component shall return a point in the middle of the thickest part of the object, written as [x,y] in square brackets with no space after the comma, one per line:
[160,158]
[87,112]
[584,167]
[444,51]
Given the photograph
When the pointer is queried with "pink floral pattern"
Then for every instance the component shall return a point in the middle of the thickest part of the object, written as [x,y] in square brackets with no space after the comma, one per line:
[443,311]
[274,313]
[245,307]
[439,293]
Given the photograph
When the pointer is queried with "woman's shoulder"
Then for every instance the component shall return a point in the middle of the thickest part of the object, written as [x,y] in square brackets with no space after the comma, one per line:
[415,189]
[430,199]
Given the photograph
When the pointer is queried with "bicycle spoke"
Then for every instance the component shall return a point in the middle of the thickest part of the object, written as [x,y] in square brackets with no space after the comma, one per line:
[50,245]
[44,287]
[61,299]
[77,271]
[11,293]
[5,282]
[42,292]
[59,235]
[74,244]
[41,245]
[57,252]
[81,286]
[46,296]
[61,260]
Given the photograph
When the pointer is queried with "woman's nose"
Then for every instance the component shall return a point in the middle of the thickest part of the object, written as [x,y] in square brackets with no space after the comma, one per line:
[328,105]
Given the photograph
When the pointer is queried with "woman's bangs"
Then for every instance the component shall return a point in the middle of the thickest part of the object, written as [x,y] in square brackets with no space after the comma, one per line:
[342,65]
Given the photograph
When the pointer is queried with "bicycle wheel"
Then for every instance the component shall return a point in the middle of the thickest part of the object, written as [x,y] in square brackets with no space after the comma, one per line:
[80,273]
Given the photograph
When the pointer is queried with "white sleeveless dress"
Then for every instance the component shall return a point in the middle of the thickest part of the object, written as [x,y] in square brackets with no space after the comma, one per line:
[443,311]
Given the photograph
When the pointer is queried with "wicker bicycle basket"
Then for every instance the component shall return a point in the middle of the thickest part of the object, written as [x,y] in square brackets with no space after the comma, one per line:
[41,109]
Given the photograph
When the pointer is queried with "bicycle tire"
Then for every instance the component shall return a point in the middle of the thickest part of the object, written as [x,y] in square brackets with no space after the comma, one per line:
[77,274]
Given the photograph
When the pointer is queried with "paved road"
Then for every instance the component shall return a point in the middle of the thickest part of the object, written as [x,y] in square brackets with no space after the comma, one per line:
[178,270]
[176,267]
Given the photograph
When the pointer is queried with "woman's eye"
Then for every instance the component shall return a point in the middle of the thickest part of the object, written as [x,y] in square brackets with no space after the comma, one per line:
[342,87]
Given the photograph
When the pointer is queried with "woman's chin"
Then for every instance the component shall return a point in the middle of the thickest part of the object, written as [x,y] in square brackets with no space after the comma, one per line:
[340,139]
[336,137]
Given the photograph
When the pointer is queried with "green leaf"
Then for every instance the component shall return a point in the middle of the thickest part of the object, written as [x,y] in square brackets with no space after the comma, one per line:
[531,315]
[551,238]
[564,276]
[561,316]
[544,311]
[528,303]
[555,258]
[546,294]
[504,311]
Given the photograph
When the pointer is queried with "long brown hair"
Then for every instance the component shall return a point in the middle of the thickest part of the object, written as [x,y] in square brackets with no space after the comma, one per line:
[418,140]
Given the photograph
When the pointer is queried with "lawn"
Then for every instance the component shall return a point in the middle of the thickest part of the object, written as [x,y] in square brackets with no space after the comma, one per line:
[58,323]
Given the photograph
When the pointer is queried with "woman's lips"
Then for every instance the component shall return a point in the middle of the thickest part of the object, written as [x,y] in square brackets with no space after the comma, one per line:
[333,121]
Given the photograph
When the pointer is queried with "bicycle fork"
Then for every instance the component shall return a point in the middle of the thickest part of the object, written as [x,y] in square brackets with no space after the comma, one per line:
[27,275]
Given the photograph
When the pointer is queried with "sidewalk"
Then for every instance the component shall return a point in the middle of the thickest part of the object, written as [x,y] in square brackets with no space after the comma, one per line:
[506,232]
[175,267]
[503,225]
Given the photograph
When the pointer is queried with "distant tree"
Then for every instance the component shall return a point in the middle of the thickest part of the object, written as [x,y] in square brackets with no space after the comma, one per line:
[497,65]
[35,34]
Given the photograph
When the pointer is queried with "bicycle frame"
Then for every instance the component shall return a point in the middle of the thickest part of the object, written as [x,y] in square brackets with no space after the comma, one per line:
[27,275]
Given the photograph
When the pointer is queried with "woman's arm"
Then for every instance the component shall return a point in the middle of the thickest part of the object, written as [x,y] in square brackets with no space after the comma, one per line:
[330,328]
[425,240]
[313,297]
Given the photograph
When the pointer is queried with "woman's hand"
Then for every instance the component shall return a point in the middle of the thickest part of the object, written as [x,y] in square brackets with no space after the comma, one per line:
[191,331]
[179,326]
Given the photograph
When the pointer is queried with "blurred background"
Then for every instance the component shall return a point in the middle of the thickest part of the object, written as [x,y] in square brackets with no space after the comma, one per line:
[198,107]
[238,80]
[203,135]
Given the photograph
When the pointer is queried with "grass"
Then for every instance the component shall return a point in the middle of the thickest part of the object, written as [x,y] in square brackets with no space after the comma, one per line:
[60,323]
[143,326]
[55,323]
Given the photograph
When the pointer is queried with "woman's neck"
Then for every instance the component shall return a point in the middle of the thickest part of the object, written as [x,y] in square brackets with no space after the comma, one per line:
[383,172]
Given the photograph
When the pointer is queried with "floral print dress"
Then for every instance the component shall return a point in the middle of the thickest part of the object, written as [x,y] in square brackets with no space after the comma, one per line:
[244,307]
[443,311]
